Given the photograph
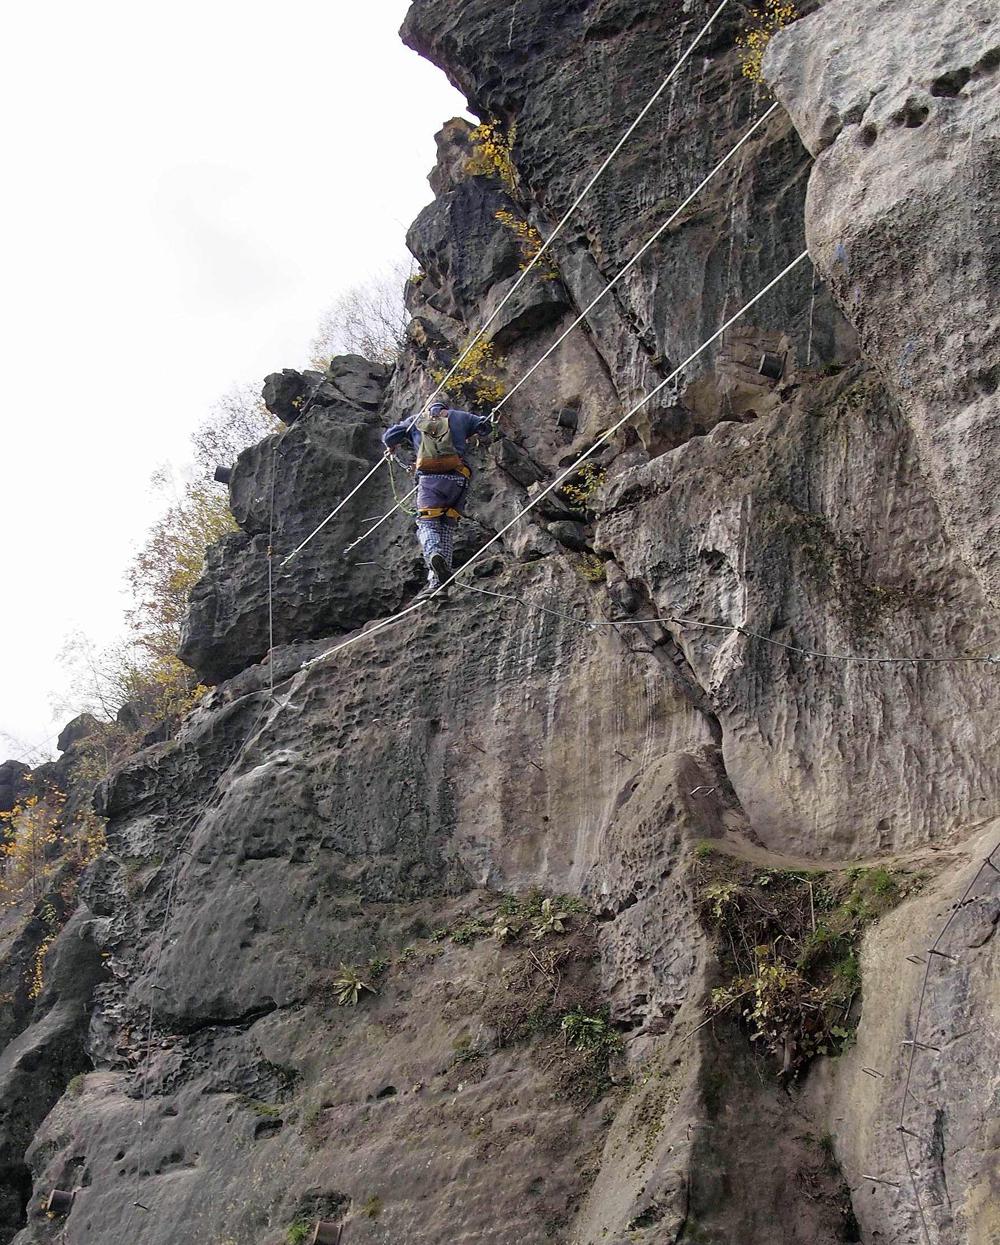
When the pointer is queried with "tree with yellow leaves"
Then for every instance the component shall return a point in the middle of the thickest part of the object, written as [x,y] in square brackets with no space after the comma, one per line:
[30,832]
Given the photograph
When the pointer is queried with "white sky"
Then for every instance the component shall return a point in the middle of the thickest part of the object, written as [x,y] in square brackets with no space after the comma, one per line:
[189,186]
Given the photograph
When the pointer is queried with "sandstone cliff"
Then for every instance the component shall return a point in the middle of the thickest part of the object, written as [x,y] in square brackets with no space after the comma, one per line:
[640,906]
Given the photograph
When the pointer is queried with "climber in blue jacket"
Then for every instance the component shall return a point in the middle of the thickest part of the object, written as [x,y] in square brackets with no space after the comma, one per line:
[440,438]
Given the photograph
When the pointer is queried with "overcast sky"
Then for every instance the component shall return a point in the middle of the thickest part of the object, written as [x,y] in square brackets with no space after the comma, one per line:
[188,187]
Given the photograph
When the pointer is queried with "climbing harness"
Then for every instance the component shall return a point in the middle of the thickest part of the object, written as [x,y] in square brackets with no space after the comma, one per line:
[442,494]
[438,464]
[439,512]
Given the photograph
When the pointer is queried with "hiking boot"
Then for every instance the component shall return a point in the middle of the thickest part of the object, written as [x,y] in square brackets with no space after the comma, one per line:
[430,590]
[440,567]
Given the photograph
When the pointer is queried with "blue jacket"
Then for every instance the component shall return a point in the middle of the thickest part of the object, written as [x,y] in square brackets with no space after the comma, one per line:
[463,425]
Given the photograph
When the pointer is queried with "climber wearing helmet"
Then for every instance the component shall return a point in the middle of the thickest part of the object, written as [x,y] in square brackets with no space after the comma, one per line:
[439,436]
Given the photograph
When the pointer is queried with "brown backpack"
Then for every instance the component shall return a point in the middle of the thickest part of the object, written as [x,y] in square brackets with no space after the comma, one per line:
[436,453]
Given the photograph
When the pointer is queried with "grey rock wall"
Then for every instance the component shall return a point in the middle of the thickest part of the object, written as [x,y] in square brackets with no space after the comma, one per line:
[903,217]
[391,794]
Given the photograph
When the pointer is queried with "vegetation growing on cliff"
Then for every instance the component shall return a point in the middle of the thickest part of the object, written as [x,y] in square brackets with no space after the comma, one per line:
[139,680]
[476,381]
[492,153]
[773,16]
[788,945]
[43,852]
[529,242]
[581,488]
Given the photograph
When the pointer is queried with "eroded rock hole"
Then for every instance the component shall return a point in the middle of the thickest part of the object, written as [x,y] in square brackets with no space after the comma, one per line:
[713,559]
[869,134]
[913,115]
[988,62]
[950,83]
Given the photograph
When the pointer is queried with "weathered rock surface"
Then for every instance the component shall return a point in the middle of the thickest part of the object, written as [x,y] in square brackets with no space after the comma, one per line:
[378,814]
[953,1090]
[305,470]
[37,1065]
[12,783]
[903,220]
[813,529]
[73,732]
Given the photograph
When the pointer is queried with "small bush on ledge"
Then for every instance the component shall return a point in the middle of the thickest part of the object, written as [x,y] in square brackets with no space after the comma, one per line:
[788,946]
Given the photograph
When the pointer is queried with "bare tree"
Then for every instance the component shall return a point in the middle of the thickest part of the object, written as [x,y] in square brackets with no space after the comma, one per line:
[238,419]
[369,319]
[30,754]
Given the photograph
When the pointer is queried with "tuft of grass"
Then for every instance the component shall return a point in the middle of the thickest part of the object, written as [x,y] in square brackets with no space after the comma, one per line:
[591,568]
[591,1033]
[266,1110]
[297,1231]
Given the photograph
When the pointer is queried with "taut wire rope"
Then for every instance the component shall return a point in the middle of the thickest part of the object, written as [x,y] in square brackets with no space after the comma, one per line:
[606,289]
[680,620]
[637,256]
[211,803]
[547,242]
[581,196]
[385,623]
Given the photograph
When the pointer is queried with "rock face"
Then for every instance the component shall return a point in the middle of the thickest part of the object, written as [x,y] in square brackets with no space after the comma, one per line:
[437,940]
[903,220]
[305,469]
[82,726]
[12,783]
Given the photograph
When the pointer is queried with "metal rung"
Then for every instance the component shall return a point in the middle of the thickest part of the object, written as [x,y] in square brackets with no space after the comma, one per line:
[874,1072]
[915,959]
[943,954]
[908,1131]
[921,1046]
[879,1180]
